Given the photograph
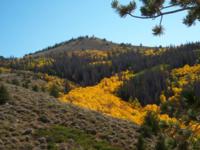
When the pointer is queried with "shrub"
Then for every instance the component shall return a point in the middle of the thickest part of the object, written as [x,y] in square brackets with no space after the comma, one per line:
[196,144]
[43,119]
[15,82]
[183,138]
[192,114]
[54,91]
[169,108]
[35,88]
[170,143]
[188,94]
[4,95]
[191,94]
[135,102]
[43,88]
[160,145]
[8,81]
[25,85]
[150,125]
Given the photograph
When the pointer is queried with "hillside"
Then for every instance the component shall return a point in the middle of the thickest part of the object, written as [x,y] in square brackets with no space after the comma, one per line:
[102,98]
[89,67]
[33,120]
[81,43]
[74,76]
[35,117]
[150,94]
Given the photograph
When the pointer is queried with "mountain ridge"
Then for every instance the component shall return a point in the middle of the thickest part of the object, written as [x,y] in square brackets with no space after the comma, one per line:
[82,43]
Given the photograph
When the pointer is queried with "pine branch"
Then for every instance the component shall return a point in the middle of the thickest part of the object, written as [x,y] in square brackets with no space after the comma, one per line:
[161,14]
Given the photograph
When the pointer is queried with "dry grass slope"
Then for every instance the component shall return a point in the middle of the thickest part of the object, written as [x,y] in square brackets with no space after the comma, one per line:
[28,112]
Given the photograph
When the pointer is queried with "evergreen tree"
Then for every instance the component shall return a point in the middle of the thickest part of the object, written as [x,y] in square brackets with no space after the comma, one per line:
[152,9]
[160,145]
[150,125]
[140,143]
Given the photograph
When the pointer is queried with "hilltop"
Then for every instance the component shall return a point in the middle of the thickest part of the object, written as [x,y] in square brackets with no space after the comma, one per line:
[80,43]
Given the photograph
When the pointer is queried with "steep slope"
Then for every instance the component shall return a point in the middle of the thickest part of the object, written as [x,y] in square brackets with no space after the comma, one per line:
[35,120]
[184,101]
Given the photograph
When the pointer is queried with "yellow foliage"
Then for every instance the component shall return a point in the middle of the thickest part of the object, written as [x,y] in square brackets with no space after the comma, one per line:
[4,70]
[94,54]
[195,127]
[152,107]
[186,74]
[43,61]
[109,63]
[113,83]
[153,52]
[163,98]
[183,76]
[177,90]
[166,118]
[54,80]
[186,70]
[94,98]
[38,62]
[101,98]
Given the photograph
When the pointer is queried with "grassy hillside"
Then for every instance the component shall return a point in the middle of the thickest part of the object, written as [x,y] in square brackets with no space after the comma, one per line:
[35,120]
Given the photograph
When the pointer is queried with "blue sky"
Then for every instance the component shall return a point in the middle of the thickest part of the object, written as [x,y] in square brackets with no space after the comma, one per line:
[30,25]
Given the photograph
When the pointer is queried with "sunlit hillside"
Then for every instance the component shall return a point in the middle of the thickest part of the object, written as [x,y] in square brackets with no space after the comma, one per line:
[178,118]
[184,102]
[154,89]
[102,98]
[74,76]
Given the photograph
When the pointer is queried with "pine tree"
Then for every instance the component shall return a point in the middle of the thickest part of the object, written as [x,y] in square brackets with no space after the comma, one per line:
[160,145]
[152,9]
[141,143]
